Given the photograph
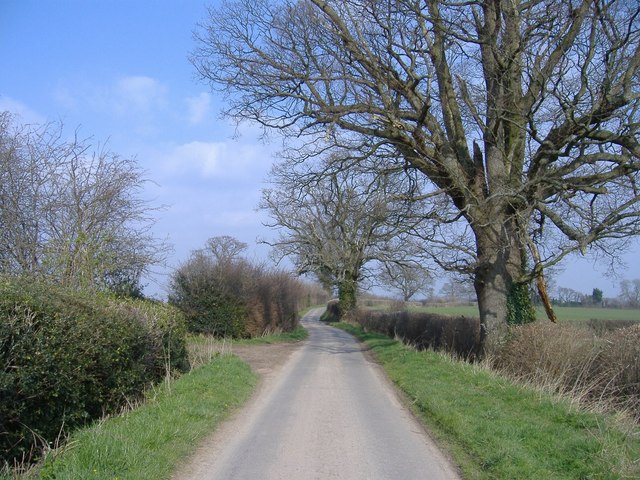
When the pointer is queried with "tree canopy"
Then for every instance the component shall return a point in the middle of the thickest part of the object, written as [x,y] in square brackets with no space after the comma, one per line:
[523,114]
[336,219]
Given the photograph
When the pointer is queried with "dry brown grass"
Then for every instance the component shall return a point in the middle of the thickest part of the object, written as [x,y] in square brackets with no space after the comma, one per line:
[601,372]
[596,364]
[204,348]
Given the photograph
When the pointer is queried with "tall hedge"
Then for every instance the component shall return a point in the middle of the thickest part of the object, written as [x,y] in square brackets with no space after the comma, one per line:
[233,297]
[68,358]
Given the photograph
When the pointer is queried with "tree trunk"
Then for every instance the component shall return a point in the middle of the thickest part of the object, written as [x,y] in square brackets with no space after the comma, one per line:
[499,267]
[347,289]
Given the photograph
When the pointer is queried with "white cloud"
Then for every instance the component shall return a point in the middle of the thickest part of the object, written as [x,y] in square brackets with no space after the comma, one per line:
[198,108]
[201,157]
[137,94]
[141,93]
[224,160]
[22,111]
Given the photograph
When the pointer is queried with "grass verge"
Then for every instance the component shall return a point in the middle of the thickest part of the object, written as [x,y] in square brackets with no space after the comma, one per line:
[296,335]
[150,440]
[203,349]
[494,428]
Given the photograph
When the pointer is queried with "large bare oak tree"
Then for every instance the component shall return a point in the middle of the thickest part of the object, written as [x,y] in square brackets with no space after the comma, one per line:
[524,113]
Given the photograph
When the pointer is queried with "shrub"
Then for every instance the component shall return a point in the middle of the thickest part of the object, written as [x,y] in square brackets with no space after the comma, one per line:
[620,367]
[68,358]
[313,294]
[272,302]
[601,326]
[332,313]
[166,334]
[560,355]
[209,295]
[457,335]
[233,298]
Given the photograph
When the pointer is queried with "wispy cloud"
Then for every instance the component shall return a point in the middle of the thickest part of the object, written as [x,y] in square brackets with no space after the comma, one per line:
[139,93]
[210,160]
[25,114]
[202,157]
[198,108]
[125,95]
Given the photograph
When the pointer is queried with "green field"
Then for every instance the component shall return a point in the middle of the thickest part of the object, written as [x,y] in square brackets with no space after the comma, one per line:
[565,314]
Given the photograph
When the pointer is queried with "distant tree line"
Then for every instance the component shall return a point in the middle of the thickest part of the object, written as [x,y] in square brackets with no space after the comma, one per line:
[629,296]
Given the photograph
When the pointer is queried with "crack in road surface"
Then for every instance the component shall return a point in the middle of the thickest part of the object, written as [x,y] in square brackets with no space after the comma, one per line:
[327,413]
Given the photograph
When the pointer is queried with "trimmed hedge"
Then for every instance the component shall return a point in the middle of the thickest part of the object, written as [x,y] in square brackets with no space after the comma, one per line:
[332,313]
[69,358]
[457,335]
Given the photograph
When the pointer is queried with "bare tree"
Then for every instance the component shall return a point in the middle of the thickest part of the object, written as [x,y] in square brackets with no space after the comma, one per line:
[524,114]
[569,296]
[409,276]
[630,292]
[334,222]
[225,248]
[26,182]
[69,212]
[458,289]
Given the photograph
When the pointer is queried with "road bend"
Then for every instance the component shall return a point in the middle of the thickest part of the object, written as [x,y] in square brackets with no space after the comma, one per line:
[328,414]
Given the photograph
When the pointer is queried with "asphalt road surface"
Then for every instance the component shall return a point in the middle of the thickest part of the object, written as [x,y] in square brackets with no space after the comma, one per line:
[328,413]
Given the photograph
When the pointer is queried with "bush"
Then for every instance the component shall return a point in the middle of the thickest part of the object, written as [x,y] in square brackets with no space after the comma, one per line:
[273,303]
[332,313]
[68,358]
[166,334]
[620,366]
[233,298]
[209,295]
[601,326]
[560,355]
[457,335]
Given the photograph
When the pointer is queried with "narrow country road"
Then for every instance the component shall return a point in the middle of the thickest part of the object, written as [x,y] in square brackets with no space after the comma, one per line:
[328,413]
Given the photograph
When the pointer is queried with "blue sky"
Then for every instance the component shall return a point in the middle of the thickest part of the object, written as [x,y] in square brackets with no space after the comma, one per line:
[119,70]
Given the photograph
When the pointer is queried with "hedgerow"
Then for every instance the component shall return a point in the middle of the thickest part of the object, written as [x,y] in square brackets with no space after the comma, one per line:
[599,367]
[68,358]
[232,297]
[458,335]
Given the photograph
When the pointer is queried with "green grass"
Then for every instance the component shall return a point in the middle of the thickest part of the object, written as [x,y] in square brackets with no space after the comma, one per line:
[152,439]
[149,441]
[565,314]
[572,314]
[495,429]
[296,335]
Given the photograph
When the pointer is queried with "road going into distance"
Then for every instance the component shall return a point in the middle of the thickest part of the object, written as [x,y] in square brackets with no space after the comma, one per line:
[328,413]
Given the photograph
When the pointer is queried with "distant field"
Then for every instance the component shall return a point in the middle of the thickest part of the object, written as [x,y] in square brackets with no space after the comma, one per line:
[566,314]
